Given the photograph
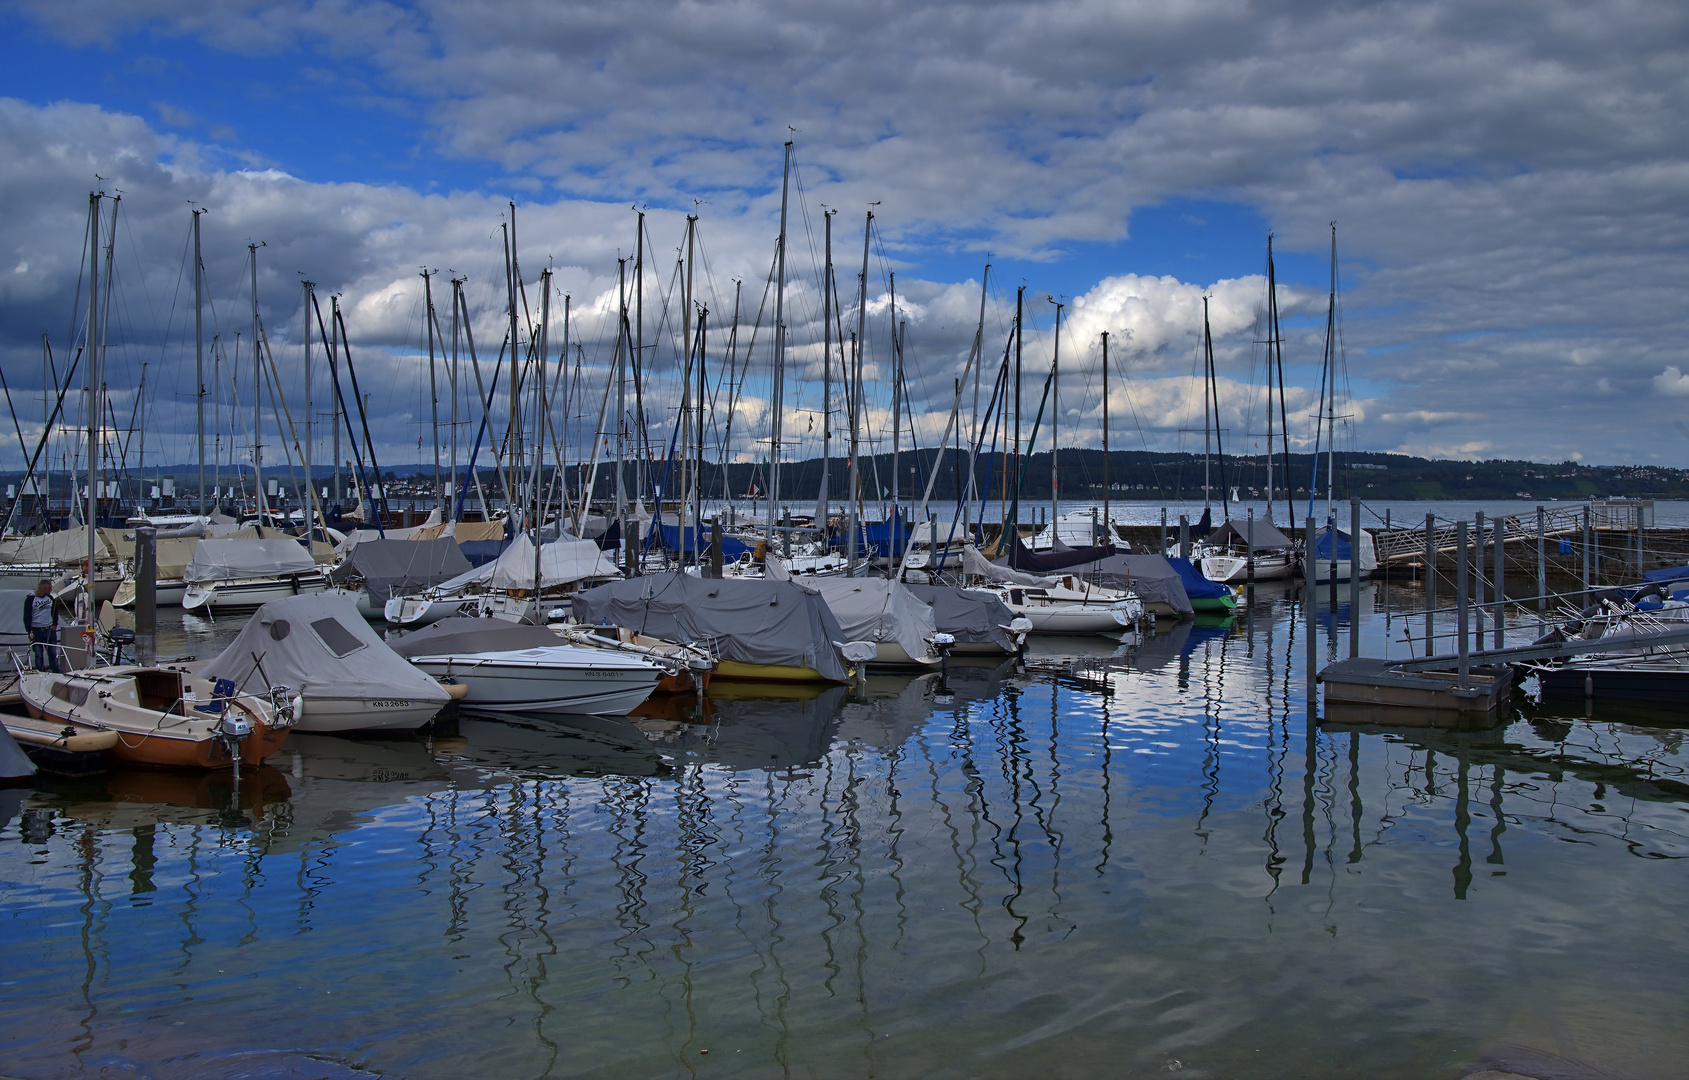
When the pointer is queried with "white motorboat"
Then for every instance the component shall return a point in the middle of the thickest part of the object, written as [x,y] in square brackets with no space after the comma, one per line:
[552,678]
[509,667]
[412,612]
[167,592]
[1232,569]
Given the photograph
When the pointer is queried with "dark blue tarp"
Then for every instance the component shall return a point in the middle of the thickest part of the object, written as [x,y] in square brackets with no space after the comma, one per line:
[1322,543]
[1197,587]
[879,535]
[675,538]
[1670,573]
[1021,557]
[482,552]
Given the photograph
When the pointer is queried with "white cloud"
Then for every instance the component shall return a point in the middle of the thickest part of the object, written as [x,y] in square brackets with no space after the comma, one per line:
[1672,382]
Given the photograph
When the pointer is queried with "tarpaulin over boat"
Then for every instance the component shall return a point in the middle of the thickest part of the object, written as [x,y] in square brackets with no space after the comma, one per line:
[1021,557]
[225,560]
[1669,573]
[978,565]
[171,554]
[1237,533]
[401,567]
[561,563]
[320,551]
[1323,542]
[1152,578]
[462,634]
[970,617]
[12,633]
[881,535]
[14,763]
[874,609]
[684,540]
[318,644]
[66,548]
[750,620]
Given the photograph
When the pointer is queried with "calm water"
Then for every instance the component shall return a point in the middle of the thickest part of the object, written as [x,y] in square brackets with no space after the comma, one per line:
[1117,861]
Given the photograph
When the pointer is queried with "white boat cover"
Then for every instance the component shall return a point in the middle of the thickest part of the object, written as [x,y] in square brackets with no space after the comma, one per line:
[225,560]
[750,620]
[429,530]
[319,645]
[462,635]
[401,567]
[874,609]
[66,548]
[970,617]
[173,553]
[562,562]
[320,551]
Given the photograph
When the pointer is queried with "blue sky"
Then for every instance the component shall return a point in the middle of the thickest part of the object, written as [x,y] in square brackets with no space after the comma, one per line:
[1505,181]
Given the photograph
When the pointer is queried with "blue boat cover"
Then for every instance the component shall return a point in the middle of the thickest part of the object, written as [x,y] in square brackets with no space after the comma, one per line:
[879,536]
[1322,543]
[1021,557]
[684,539]
[482,552]
[1670,573]
[1197,587]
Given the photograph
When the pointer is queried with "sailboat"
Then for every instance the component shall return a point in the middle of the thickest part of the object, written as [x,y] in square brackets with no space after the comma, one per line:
[1333,554]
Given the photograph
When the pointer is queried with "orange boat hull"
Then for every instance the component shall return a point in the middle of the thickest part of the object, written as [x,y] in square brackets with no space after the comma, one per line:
[176,753]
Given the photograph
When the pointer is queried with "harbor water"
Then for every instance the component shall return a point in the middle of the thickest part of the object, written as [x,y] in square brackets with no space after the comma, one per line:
[1106,859]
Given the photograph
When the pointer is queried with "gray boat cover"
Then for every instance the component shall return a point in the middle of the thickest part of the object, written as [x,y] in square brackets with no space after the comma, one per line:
[1236,534]
[68,547]
[874,609]
[972,617]
[12,633]
[750,620]
[1151,577]
[401,567]
[460,635]
[225,560]
[14,763]
[318,644]
[562,562]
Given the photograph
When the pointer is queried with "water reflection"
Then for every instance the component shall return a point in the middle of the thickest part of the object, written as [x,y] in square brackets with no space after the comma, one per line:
[1068,866]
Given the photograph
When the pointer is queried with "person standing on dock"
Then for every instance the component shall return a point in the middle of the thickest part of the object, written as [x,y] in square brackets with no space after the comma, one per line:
[41,619]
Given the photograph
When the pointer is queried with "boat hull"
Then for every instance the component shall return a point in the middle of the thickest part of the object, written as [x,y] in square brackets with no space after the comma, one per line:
[739,671]
[505,683]
[330,714]
[1234,569]
[166,593]
[247,593]
[411,612]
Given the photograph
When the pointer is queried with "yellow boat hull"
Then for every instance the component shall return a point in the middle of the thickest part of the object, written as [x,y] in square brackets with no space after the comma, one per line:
[735,669]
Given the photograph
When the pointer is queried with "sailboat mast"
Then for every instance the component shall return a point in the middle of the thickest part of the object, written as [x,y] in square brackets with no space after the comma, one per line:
[1020,297]
[1106,525]
[1214,395]
[512,451]
[1272,332]
[257,392]
[823,500]
[622,403]
[433,390]
[539,432]
[686,386]
[199,359]
[1283,409]
[779,350]
[893,528]
[1055,420]
[90,398]
[1331,368]
[973,420]
[698,487]
[854,381]
[1207,436]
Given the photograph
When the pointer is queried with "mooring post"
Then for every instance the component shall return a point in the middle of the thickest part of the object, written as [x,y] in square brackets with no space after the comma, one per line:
[1542,571]
[1184,536]
[1460,613]
[1310,606]
[1387,525]
[715,546]
[1500,617]
[1354,577]
[1162,550]
[146,594]
[1478,581]
[1430,583]
[1249,566]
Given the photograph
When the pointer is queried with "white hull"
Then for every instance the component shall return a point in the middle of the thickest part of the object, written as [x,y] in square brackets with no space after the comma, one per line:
[327,714]
[1234,569]
[411,612]
[166,593]
[1075,618]
[249,592]
[1322,574]
[560,678]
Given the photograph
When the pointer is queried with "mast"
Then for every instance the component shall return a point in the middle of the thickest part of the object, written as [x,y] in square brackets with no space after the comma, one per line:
[637,356]
[979,348]
[1211,393]
[826,373]
[457,283]
[91,405]
[1055,420]
[338,417]
[1331,366]
[433,390]
[779,349]
[539,430]
[1020,297]
[894,530]
[257,392]
[1278,362]
[1106,526]
[855,396]
[512,451]
[698,487]
[1207,430]
[1272,332]
[687,340]
[621,402]
[199,358]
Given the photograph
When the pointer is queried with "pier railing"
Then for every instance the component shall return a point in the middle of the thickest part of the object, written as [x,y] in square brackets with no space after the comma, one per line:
[1401,545]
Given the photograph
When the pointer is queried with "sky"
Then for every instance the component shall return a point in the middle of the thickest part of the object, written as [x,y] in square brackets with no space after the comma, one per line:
[1507,183]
